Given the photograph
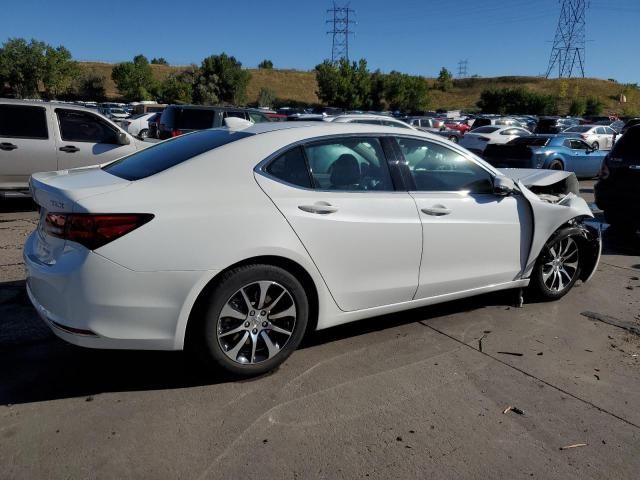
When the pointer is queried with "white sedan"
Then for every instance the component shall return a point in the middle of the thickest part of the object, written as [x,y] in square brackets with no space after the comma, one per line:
[599,137]
[476,140]
[238,242]
[138,125]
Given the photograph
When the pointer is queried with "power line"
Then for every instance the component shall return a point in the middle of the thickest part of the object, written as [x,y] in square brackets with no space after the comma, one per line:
[340,21]
[568,51]
[462,68]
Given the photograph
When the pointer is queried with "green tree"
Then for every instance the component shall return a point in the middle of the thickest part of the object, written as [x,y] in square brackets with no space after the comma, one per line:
[266,97]
[134,79]
[377,89]
[445,80]
[222,76]
[405,92]
[578,107]
[178,87]
[517,101]
[22,65]
[59,71]
[593,106]
[344,84]
[266,64]
[91,87]
[159,61]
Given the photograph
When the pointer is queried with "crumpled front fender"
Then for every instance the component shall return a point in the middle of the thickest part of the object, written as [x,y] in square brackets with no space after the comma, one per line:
[549,217]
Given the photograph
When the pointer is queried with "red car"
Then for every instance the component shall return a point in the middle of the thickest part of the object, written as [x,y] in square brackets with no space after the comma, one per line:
[460,125]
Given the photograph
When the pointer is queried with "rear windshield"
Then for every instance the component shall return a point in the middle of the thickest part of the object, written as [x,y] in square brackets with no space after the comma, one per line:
[167,154]
[547,121]
[485,129]
[530,141]
[195,119]
[479,122]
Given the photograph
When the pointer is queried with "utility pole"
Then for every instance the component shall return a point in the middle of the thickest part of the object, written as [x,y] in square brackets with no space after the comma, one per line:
[462,68]
[340,21]
[568,51]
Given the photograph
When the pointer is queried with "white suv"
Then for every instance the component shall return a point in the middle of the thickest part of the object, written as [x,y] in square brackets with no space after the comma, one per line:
[42,136]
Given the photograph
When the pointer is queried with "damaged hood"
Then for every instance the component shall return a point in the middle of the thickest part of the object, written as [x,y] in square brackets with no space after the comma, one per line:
[532,178]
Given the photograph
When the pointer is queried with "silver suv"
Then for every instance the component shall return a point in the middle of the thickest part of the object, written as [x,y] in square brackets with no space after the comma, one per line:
[41,136]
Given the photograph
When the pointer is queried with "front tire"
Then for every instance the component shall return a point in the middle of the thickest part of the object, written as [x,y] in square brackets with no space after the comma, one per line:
[453,139]
[556,165]
[144,133]
[256,317]
[557,268]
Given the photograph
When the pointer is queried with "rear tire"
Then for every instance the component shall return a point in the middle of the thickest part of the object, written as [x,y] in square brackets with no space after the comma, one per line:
[255,318]
[144,133]
[595,146]
[558,267]
[556,165]
[453,139]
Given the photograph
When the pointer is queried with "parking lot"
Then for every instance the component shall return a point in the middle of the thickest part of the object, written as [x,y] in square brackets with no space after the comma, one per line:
[419,394]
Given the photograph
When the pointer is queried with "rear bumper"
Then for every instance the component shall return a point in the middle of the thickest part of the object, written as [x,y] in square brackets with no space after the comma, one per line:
[93,302]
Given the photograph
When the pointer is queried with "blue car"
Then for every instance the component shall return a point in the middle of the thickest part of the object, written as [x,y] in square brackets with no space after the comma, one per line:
[555,152]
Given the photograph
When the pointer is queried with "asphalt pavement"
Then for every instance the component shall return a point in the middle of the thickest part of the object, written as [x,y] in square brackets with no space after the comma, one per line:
[419,394]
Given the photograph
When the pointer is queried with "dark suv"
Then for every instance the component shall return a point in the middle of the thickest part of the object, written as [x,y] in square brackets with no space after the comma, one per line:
[179,119]
[553,125]
[618,190]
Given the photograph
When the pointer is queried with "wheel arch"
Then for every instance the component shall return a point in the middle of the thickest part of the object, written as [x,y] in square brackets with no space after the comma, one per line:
[184,333]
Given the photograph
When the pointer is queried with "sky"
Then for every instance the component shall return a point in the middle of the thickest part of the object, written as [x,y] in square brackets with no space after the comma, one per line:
[496,37]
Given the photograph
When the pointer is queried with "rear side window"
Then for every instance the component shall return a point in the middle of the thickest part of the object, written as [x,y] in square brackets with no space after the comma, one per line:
[17,121]
[77,126]
[291,167]
[167,154]
[195,119]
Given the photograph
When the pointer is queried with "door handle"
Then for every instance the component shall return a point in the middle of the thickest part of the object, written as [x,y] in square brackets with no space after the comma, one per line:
[436,210]
[321,208]
[69,149]
[7,146]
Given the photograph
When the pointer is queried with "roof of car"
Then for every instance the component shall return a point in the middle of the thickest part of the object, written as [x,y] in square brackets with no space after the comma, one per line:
[43,103]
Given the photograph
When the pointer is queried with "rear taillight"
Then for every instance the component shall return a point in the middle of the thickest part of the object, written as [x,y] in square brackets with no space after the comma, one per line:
[93,230]
[176,133]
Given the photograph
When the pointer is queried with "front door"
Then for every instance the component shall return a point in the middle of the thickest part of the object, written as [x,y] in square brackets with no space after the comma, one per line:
[472,238]
[364,236]
[86,139]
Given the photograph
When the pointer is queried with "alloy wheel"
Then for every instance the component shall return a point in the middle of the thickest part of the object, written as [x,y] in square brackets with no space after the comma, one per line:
[561,265]
[256,322]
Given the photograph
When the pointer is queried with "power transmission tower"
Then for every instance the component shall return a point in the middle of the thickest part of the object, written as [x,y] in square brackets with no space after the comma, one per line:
[568,51]
[462,68]
[340,21]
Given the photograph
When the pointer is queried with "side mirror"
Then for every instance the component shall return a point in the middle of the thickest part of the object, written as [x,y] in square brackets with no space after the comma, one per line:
[123,139]
[503,186]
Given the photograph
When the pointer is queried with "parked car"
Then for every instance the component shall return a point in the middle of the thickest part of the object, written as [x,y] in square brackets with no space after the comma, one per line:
[435,126]
[476,140]
[615,125]
[630,123]
[369,119]
[115,114]
[547,151]
[179,119]
[43,136]
[461,126]
[138,125]
[596,136]
[497,121]
[284,229]
[618,189]
[552,125]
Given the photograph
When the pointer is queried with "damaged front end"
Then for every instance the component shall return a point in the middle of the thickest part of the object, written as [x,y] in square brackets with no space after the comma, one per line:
[557,209]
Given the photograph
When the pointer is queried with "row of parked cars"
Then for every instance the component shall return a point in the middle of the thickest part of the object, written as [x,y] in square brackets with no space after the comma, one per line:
[42,136]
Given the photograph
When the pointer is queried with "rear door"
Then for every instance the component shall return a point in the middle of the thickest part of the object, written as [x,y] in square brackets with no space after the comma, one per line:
[364,236]
[472,238]
[84,138]
[26,144]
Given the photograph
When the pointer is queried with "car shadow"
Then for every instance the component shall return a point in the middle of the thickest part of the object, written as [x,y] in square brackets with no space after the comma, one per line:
[40,367]
[18,204]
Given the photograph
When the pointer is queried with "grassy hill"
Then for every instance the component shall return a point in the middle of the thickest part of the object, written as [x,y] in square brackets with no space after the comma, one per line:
[301,86]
